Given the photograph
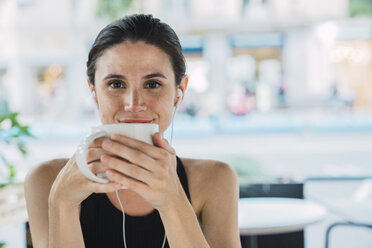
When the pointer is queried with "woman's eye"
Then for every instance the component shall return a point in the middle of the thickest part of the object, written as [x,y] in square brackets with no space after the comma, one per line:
[116,84]
[153,85]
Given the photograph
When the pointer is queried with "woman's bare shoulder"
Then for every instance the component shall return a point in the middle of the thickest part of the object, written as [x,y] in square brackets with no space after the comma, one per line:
[208,177]
[206,168]
[37,185]
[218,194]
[46,171]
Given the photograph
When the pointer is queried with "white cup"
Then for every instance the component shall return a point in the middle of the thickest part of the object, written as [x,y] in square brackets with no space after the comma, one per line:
[138,131]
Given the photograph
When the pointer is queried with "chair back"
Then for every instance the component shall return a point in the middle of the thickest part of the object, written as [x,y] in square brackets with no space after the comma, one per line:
[288,240]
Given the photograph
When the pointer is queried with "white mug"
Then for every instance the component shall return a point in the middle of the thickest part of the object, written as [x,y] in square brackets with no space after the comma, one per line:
[138,131]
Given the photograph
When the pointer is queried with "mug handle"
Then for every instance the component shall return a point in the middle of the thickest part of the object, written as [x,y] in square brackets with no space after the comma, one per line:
[81,157]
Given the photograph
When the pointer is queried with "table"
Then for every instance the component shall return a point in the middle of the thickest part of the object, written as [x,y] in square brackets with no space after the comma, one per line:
[275,215]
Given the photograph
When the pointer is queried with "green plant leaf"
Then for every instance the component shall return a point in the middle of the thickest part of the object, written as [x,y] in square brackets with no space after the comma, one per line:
[112,9]
[360,8]
[25,130]
[12,171]
[14,136]
[22,148]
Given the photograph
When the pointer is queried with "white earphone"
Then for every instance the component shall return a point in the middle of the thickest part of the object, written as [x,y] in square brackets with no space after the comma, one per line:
[180,95]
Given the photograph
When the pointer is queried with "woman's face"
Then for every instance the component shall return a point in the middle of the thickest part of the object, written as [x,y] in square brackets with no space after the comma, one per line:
[134,82]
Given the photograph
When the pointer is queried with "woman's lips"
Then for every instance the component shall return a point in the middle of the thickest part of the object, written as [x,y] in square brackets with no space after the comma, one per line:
[136,121]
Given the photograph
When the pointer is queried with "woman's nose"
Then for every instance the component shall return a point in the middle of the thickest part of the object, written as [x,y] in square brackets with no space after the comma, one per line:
[134,102]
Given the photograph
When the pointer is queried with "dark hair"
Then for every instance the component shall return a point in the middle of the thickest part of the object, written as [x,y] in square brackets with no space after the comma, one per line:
[138,28]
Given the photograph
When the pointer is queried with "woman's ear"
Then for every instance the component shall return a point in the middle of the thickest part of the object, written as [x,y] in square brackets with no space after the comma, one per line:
[93,92]
[183,86]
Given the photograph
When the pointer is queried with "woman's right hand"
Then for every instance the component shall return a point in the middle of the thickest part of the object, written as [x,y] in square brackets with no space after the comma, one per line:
[71,187]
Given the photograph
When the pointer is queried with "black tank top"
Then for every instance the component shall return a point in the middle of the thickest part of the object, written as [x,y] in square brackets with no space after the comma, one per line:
[102,223]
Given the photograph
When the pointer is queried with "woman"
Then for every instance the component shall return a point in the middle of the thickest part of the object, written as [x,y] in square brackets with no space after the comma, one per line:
[135,69]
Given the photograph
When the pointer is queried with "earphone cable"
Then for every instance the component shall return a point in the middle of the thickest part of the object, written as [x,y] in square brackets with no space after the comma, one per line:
[122,209]
[171,138]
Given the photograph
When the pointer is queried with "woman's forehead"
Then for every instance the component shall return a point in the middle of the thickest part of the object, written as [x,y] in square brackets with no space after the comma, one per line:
[133,59]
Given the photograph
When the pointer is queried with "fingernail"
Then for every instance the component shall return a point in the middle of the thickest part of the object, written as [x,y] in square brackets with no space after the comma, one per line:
[115,137]
[104,158]
[118,185]
[109,173]
[106,144]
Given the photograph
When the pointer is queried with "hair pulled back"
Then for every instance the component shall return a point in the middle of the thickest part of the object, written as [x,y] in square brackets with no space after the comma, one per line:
[135,28]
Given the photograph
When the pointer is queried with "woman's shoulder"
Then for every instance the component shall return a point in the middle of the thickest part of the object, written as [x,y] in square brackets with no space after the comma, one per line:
[207,168]
[207,177]
[46,171]
[37,185]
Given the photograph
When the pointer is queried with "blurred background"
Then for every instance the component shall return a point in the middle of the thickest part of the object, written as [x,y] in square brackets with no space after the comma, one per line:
[279,89]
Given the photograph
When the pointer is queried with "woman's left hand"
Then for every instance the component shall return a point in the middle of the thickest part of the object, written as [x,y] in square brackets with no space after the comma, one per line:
[150,171]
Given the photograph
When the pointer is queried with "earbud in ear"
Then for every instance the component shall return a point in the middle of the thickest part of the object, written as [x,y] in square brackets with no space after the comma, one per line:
[180,95]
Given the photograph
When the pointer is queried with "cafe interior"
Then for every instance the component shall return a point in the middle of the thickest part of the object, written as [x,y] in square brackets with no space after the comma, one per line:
[281,90]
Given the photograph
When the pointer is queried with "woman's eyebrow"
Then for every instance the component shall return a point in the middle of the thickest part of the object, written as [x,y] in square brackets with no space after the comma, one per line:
[114,76]
[152,75]
[119,76]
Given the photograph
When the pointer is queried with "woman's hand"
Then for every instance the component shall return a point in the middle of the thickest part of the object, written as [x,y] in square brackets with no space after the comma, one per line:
[150,171]
[71,187]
